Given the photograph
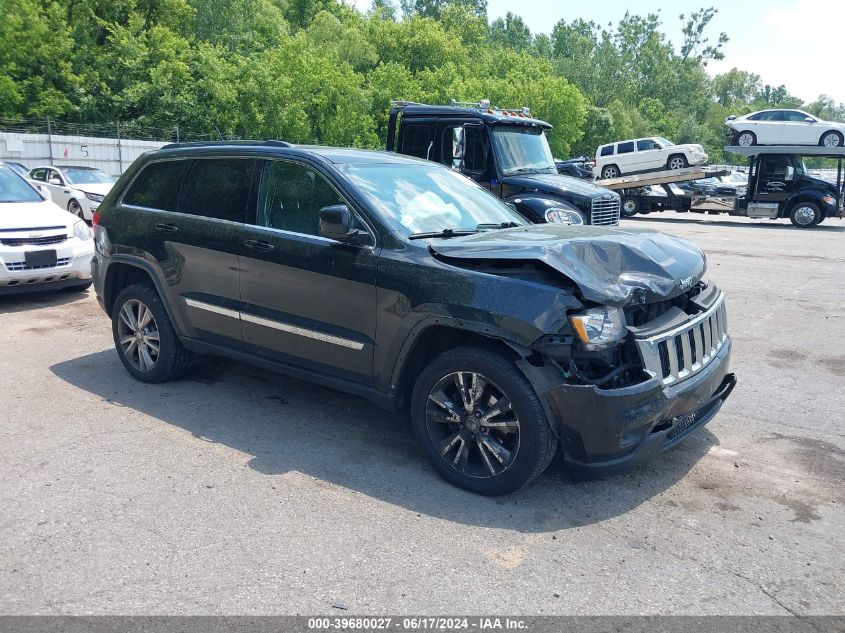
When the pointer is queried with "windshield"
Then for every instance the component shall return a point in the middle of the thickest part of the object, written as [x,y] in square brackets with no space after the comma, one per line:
[13,188]
[87,176]
[522,149]
[665,142]
[427,198]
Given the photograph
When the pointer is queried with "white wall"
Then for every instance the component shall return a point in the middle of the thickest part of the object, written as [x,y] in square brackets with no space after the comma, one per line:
[104,153]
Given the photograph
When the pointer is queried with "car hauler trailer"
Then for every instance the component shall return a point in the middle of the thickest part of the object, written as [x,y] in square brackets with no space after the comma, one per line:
[780,187]
[636,198]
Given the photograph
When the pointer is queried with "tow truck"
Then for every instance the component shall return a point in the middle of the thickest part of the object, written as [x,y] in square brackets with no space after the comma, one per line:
[505,150]
[780,187]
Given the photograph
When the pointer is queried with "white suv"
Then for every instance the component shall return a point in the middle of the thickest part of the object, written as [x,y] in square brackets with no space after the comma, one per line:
[645,154]
[42,246]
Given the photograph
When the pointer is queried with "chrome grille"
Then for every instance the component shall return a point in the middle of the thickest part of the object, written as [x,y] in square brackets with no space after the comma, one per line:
[62,261]
[36,241]
[683,352]
[605,211]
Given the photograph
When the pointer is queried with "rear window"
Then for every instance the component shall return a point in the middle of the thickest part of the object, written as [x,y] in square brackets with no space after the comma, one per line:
[157,186]
[625,148]
[217,188]
[607,150]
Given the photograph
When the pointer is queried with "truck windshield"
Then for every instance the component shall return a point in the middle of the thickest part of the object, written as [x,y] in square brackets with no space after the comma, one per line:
[522,150]
[428,198]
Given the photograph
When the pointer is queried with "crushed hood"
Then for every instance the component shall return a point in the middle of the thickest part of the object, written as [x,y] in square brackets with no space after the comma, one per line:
[612,266]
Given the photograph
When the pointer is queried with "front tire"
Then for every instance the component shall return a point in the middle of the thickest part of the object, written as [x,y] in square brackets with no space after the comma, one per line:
[805,215]
[746,139]
[677,161]
[832,139]
[480,422]
[74,207]
[145,338]
[630,207]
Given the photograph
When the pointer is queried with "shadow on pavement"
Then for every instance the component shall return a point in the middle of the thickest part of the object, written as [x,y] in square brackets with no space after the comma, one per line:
[24,301]
[288,425]
[715,221]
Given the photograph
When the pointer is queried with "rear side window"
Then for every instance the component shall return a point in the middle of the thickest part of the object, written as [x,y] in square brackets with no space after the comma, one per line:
[217,188]
[416,139]
[607,150]
[38,174]
[626,148]
[157,186]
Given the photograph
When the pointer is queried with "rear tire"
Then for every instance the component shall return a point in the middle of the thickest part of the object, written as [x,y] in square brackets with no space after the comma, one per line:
[144,337]
[832,139]
[610,171]
[451,408]
[805,215]
[746,139]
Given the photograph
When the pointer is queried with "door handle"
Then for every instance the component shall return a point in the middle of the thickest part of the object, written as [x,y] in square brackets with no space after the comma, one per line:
[258,245]
[167,228]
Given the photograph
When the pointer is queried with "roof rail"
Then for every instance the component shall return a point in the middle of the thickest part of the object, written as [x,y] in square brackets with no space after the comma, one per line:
[270,142]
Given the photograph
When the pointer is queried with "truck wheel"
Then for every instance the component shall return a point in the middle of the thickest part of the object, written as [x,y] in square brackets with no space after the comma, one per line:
[480,422]
[805,214]
[746,139]
[630,207]
[831,139]
[610,171]
[677,161]
[144,336]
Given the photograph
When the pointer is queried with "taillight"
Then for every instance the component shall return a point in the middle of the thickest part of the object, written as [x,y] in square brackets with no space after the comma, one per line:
[95,219]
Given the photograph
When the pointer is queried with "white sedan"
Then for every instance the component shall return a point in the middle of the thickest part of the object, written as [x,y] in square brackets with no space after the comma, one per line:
[784,127]
[41,245]
[80,190]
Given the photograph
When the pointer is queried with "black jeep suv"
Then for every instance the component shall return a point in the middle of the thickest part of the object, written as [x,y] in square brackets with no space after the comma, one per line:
[404,282]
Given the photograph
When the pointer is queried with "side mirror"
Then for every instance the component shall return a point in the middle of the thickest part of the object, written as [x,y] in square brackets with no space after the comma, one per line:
[790,173]
[55,180]
[458,144]
[809,119]
[336,223]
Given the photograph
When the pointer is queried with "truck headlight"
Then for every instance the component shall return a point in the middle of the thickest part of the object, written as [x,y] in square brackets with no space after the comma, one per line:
[561,215]
[599,328]
[81,231]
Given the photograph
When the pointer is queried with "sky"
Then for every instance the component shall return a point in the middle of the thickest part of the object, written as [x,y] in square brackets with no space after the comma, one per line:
[783,41]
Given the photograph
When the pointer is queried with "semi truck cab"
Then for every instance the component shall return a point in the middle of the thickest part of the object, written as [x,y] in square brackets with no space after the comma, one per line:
[504,150]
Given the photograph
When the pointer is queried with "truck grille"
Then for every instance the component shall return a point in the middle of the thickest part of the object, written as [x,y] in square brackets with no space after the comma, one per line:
[605,211]
[683,352]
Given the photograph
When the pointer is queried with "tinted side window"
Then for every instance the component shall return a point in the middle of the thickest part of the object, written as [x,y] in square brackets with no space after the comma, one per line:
[774,167]
[625,148]
[646,144]
[416,139]
[157,186]
[795,116]
[291,196]
[217,188]
[607,150]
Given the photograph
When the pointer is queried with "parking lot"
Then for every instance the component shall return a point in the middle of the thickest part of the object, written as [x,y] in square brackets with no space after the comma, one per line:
[237,491]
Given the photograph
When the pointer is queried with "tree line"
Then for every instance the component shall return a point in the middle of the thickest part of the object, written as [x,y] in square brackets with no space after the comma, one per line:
[321,71]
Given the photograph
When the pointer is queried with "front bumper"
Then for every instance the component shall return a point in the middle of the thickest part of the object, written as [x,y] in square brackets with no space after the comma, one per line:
[73,267]
[608,431]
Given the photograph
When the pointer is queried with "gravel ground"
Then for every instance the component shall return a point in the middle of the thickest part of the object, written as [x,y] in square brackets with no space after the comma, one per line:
[236,491]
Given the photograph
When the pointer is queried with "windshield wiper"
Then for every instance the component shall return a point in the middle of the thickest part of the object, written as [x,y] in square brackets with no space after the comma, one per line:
[444,233]
[501,225]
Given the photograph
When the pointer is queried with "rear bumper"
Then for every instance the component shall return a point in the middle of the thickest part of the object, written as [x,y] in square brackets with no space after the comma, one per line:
[610,431]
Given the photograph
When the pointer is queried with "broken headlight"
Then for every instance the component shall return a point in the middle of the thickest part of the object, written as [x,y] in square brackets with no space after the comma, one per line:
[599,328]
